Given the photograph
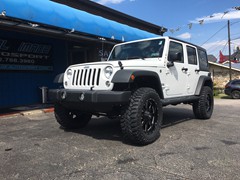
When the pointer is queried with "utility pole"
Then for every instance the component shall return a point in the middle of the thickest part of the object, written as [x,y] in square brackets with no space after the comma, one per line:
[229,50]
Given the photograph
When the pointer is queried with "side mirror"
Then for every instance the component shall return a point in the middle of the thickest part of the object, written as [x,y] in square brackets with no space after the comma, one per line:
[172,58]
[170,64]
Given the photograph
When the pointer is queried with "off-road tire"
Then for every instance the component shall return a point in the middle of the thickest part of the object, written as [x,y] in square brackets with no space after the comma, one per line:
[235,94]
[70,119]
[142,119]
[203,108]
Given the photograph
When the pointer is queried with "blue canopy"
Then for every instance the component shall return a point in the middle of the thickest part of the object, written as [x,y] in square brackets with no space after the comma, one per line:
[62,16]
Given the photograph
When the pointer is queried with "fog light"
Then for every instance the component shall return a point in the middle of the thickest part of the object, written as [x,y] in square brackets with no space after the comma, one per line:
[63,95]
[81,98]
[108,83]
[66,83]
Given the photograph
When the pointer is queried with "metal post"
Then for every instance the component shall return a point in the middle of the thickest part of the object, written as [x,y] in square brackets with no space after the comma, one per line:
[229,50]
[44,94]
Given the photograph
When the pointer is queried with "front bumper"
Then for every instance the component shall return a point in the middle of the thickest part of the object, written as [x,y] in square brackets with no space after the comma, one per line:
[89,101]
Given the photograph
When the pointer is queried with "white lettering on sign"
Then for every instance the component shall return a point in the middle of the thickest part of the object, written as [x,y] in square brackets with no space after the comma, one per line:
[22,55]
[3,45]
[103,53]
[15,53]
[34,48]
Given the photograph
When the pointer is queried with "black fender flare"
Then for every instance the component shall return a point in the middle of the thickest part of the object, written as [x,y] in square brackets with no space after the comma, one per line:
[59,78]
[203,80]
[129,75]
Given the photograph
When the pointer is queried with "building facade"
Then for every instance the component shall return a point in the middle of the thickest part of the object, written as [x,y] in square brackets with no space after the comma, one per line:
[40,39]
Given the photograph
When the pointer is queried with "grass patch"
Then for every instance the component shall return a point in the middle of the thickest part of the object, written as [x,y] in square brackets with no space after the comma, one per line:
[222,96]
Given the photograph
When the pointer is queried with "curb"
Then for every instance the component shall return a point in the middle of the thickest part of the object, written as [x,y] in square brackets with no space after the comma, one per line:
[27,113]
[48,110]
[9,114]
[31,112]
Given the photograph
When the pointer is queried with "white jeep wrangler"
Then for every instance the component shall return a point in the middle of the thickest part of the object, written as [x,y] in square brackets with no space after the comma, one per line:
[139,78]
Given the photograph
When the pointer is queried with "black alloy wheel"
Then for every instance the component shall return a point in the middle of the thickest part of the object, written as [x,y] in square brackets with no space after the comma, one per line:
[142,119]
[149,116]
[203,107]
[70,119]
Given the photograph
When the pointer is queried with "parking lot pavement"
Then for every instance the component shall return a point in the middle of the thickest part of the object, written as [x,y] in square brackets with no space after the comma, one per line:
[35,147]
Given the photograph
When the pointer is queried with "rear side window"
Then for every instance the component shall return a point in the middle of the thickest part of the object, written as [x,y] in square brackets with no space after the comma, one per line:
[192,55]
[203,61]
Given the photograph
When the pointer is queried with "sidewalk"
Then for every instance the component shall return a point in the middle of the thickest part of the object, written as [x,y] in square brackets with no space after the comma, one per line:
[23,110]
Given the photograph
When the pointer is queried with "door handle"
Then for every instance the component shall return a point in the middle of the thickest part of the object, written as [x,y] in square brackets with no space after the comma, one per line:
[197,70]
[184,69]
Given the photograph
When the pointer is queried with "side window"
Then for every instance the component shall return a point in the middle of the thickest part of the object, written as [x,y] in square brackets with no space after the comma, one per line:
[175,52]
[203,61]
[236,83]
[192,55]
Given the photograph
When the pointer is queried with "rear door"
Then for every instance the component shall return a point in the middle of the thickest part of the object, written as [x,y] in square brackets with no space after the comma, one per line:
[193,69]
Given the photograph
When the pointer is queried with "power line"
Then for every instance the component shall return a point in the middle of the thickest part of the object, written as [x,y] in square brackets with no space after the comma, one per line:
[217,33]
[214,34]
[224,46]
[214,48]
[235,38]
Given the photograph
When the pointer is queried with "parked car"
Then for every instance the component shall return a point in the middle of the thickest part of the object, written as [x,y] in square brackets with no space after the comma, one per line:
[232,88]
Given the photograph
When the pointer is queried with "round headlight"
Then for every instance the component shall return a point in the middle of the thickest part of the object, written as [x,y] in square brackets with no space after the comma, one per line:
[69,73]
[108,71]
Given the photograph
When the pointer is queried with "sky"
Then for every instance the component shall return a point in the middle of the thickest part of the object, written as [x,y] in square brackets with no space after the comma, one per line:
[202,22]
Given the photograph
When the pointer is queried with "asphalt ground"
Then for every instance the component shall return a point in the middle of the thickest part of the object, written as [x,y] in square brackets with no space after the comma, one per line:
[33,146]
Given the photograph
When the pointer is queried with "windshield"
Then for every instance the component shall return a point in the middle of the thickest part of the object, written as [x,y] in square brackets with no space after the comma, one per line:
[138,50]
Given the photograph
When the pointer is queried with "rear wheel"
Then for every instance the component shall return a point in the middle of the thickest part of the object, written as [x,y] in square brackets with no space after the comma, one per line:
[69,119]
[203,108]
[235,94]
[142,120]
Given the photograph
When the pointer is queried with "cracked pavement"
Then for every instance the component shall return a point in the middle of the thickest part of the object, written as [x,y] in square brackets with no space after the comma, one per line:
[35,147]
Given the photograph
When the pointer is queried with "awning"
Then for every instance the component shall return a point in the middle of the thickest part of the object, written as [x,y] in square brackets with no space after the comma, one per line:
[61,16]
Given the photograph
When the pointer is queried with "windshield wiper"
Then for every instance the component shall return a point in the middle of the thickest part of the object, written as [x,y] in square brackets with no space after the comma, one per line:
[136,57]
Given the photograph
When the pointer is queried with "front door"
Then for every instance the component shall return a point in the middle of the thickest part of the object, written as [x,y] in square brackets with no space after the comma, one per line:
[176,75]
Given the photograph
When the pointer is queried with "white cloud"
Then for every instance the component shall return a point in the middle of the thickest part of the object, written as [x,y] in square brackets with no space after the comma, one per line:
[185,36]
[216,46]
[216,17]
[103,2]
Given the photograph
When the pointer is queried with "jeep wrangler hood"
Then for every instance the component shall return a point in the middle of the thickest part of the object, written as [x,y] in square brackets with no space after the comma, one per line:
[155,62]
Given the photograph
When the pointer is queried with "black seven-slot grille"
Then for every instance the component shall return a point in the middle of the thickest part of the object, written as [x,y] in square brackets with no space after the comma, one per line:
[86,77]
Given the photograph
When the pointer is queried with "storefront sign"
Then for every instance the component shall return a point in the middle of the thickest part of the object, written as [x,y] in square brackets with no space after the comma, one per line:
[22,55]
[103,54]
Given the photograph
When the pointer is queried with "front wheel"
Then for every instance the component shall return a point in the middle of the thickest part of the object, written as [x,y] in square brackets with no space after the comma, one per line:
[69,119]
[203,108]
[142,120]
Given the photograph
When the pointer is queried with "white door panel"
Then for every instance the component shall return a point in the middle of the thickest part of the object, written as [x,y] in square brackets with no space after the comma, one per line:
[176,80]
